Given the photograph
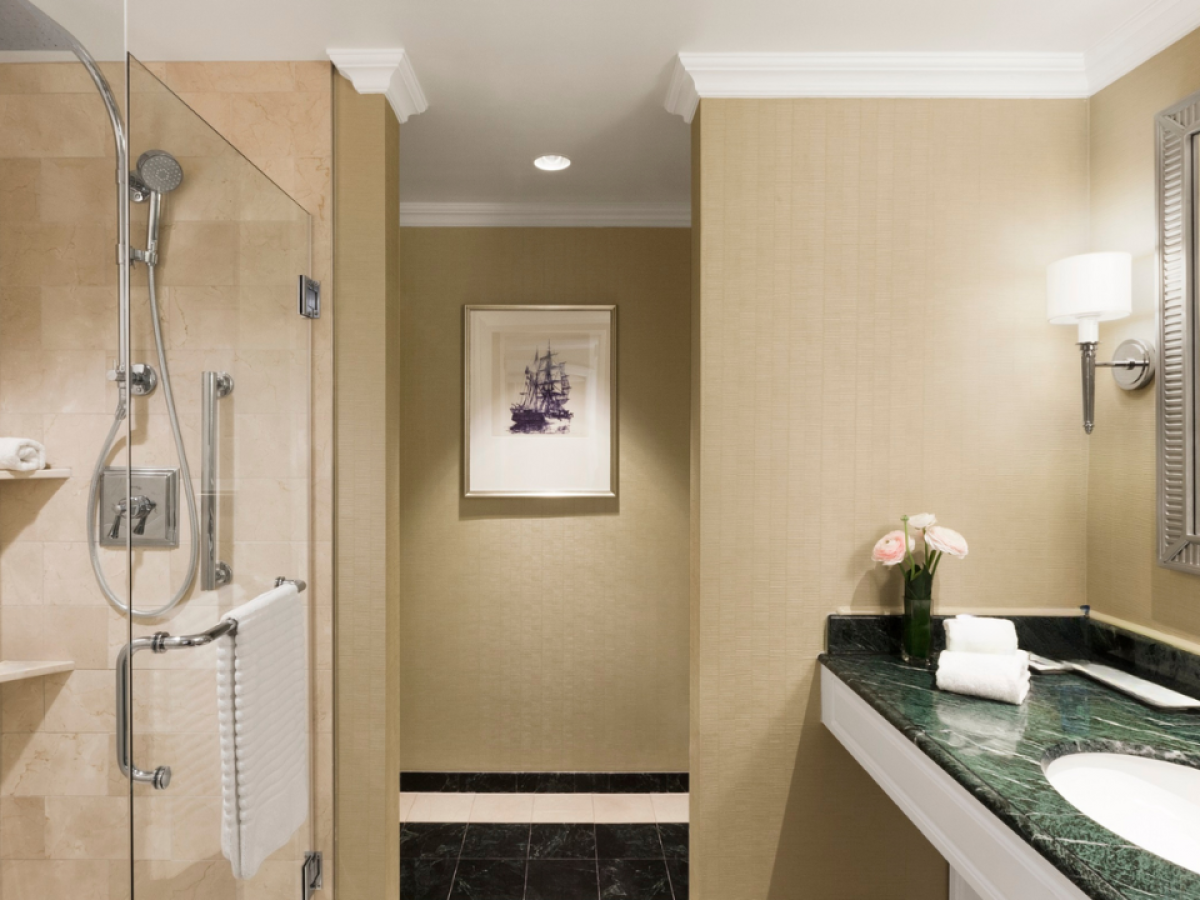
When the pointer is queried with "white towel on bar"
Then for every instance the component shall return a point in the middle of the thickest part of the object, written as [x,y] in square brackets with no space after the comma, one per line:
[262,702]
[22,455]
[995,676]
[980,634]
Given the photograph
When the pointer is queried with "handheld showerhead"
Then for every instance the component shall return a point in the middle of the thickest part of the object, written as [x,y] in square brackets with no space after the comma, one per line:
[159,171]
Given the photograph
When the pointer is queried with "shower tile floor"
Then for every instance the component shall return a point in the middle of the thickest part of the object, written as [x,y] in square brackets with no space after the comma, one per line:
[544,847]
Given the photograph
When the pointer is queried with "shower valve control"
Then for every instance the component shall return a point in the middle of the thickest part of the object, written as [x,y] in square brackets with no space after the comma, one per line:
[142,380]
[143,504]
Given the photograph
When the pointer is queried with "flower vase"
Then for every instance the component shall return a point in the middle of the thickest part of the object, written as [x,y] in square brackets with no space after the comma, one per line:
[917,638]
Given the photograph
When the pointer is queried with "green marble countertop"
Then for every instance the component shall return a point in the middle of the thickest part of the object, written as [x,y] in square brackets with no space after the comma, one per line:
[996,751]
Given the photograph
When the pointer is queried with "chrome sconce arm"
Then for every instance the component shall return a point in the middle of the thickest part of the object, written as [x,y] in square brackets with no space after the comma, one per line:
[1133,368]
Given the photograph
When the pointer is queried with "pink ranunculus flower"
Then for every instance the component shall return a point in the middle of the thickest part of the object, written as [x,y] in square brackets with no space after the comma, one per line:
[946,540]
[921,521]
[891,549]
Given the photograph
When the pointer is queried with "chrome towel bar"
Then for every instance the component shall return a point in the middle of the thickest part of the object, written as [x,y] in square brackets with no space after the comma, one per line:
[161,642]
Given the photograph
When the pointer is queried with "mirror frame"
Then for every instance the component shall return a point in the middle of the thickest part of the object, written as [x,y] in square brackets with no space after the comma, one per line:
[1177,130]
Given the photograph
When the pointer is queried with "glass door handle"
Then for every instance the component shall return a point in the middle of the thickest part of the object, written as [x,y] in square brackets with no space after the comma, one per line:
[160,777]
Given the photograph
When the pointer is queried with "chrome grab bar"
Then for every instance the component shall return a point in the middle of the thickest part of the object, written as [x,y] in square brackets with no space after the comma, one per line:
[161,642]
[214,386]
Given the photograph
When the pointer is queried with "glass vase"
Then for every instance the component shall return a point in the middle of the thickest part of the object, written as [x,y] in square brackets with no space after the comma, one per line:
[917,639]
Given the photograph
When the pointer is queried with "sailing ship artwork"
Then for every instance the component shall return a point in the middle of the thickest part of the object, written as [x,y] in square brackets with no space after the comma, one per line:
[542,408]
[539,401]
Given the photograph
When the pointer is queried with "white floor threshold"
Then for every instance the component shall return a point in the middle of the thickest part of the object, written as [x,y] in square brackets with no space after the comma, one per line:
[555,808]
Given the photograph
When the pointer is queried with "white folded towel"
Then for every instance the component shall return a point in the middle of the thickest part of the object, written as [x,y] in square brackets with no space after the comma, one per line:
[990,675]
[22,455]
[978,634]
[262,708]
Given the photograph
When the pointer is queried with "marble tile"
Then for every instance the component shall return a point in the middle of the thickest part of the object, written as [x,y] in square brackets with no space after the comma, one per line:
[441,808]
[195,828]
[434,840]
[23,707]
[55,879]
[21,574]
[502,808]
[678,870]
[623,808]
[496,841]
[628,842]
[406,803]
[426,879]
[670,807]
[562,841]
[80,701]
[563,808]
[546,782]
[54,764]
[556,879]
[22,827]
[489,879]
[89,828]
[644,879]
[489,782]
[674,840]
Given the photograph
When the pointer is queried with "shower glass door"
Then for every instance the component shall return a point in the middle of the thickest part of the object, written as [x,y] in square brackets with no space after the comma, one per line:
[214,312]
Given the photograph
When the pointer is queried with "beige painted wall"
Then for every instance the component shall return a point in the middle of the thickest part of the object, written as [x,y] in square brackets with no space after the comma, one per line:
[1124,578]
[546,634]
[872,341]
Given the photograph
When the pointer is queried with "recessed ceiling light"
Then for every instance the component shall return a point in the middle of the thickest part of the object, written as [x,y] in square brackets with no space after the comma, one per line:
[552,163]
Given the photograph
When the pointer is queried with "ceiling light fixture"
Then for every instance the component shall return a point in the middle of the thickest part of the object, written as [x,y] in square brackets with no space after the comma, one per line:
[552,163]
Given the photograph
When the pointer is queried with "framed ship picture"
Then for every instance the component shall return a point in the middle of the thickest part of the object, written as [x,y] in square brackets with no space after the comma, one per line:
[540,401]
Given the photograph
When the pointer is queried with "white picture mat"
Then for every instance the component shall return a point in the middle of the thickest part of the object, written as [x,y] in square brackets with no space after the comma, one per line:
[500,343]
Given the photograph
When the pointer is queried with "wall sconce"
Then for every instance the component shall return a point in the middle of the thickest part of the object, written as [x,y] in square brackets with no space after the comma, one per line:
[1086,290]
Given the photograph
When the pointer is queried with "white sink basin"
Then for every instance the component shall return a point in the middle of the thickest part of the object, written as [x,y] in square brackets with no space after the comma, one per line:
[1152,804]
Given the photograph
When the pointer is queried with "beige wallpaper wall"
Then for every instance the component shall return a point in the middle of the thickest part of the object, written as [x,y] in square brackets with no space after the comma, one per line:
[872,341]
[1124,578]
[545,634]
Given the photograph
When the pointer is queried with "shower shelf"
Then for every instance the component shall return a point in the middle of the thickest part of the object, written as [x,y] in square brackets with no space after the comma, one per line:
[34,476]
[17,670]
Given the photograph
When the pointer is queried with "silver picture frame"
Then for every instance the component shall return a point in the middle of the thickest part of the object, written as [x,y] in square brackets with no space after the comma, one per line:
[471,403]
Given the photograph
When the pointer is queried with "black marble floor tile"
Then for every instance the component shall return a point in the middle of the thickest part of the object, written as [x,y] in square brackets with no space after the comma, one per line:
[628,842]
[674,840]
[430,781]
[426,879]
[489,879]
[637,783]
[496,842]
[561,879]
[575,841]
[431,840]
[546,783]
[591,782]
[634,879]
[676,783]
[678,870]
[489,782]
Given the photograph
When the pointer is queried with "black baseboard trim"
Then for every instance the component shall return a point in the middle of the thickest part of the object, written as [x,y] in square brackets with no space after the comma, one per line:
[546,782]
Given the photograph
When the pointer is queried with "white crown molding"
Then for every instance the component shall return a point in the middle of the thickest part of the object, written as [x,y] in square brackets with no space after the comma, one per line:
[545,215]
[387,72]
[1149,32]
[768,75]
[982,75]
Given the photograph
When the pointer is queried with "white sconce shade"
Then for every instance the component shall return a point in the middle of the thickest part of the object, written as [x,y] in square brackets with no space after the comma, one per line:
[1089,289]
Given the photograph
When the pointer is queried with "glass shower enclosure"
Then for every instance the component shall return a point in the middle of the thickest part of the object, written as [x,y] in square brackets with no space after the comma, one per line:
[168,388]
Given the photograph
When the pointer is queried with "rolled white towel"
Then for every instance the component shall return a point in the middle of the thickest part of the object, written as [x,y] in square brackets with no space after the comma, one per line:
[22,455]
[979,634]
[990,675]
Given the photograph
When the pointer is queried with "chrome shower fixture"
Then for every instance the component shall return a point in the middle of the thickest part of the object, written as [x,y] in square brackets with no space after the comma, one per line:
[160,171]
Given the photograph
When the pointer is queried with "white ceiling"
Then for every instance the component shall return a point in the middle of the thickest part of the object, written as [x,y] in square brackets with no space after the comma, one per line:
[508,81]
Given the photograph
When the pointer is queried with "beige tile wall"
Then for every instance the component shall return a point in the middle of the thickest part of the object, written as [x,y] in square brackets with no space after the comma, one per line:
[871,341]
[545,634]
[1124,578]
[230,256]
